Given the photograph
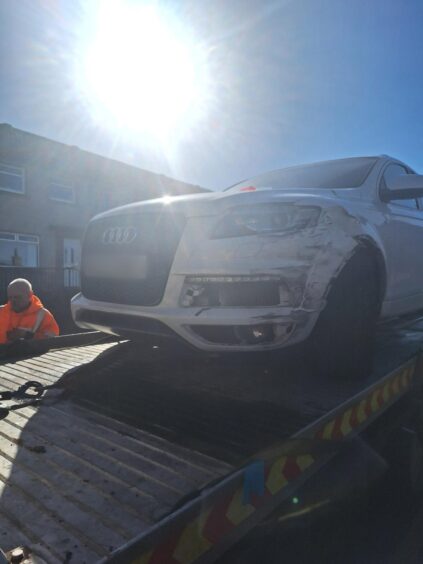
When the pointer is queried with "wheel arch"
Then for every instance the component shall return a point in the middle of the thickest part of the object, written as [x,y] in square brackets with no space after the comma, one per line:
[368,245]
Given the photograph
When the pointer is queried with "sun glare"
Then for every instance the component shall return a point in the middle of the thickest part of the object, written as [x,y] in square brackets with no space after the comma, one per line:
[142,70]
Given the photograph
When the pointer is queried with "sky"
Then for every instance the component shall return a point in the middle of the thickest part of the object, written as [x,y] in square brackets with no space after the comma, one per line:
[288,82]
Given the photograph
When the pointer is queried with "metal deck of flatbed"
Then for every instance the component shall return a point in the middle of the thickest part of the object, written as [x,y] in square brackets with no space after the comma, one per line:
[131,435]
[75,485]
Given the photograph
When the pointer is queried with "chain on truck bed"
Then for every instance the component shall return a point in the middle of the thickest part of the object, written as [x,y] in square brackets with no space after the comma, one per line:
[29,394]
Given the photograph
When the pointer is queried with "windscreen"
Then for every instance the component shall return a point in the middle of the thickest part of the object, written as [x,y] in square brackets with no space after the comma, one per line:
[343,173]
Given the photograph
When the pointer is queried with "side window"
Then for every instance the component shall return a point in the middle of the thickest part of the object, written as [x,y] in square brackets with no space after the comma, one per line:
[12,179]
[61,193]
[17,249]
[392,171]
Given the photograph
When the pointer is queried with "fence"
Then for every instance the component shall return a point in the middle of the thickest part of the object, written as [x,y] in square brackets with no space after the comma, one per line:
[54,286]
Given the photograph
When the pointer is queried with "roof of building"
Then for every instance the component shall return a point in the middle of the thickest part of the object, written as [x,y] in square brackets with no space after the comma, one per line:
[38,147]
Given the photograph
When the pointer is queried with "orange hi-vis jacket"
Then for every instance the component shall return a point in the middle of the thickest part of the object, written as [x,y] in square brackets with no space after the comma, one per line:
[35,318]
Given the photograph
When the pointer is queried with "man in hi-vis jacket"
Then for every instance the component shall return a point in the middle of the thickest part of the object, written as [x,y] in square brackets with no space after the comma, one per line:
[24,317]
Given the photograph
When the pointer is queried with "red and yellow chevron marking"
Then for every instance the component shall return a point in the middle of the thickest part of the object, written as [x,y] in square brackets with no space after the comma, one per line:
[213,523]
[347,422]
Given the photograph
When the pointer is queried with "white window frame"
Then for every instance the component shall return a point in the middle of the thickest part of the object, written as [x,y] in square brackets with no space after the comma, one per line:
[13,171]
[16,239]
[62,200]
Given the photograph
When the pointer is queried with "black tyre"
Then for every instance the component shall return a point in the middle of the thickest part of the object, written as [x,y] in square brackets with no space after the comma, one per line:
[342,342]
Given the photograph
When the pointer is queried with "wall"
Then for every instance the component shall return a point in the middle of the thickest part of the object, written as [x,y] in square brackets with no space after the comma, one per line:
[99,184]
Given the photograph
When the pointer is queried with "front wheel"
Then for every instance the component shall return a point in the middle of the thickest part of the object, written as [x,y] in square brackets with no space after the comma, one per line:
[342,341]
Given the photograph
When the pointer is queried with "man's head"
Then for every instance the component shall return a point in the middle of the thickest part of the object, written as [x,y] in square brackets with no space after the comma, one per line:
[19,294]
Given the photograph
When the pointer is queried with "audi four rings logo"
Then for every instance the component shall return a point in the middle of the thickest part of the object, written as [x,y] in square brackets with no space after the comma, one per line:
[119,235]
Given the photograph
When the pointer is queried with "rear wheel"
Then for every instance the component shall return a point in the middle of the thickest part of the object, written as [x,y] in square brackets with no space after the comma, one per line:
[343,339]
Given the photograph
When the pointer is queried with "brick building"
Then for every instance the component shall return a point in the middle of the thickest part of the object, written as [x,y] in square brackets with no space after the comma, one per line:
[49,191]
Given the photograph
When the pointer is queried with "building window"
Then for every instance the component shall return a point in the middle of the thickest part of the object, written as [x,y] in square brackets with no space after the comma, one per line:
[18,250]
[12,179]
[61,193]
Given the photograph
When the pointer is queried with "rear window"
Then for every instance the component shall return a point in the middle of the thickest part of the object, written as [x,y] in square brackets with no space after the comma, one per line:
[342,173]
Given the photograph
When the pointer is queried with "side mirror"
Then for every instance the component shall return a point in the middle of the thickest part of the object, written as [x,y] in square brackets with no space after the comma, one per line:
[403,187]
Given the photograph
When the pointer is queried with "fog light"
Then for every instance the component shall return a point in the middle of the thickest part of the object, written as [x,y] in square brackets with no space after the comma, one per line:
[255,334]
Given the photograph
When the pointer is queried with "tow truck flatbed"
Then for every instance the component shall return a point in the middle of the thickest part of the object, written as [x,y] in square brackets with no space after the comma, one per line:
[171,458]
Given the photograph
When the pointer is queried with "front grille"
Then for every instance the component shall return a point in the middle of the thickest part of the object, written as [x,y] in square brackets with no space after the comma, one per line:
[120,267]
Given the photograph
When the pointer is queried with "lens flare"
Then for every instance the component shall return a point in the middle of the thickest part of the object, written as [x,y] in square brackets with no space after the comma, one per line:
[143,71]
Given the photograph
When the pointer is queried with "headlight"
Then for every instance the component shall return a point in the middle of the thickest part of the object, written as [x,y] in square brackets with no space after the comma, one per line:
[264,219]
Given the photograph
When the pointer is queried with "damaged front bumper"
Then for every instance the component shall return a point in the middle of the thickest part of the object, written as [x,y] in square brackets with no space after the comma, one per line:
[205,328]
